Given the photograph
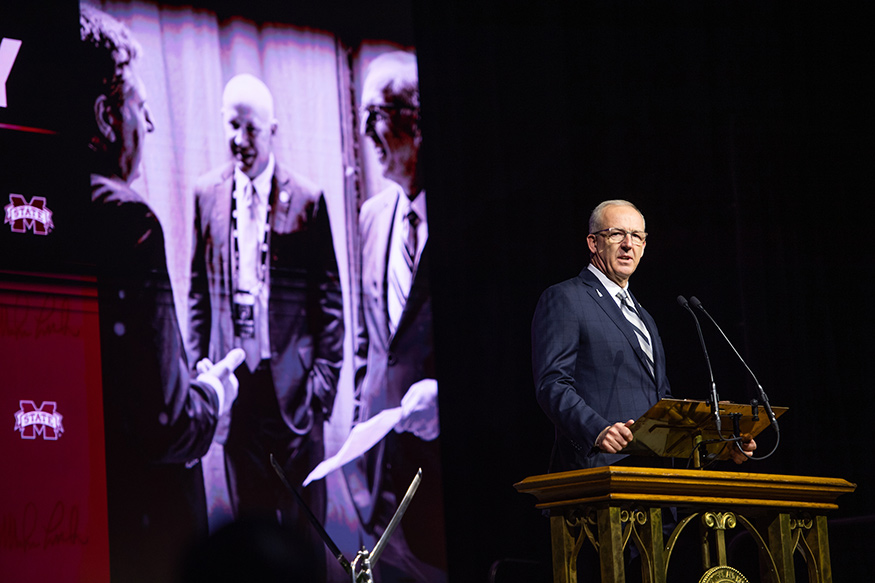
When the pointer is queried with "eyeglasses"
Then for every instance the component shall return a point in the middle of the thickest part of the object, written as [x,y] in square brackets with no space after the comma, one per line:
[619,235]
[375,113]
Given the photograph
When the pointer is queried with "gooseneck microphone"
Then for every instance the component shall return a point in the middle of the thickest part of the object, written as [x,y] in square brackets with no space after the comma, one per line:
[715,400]
[764,399]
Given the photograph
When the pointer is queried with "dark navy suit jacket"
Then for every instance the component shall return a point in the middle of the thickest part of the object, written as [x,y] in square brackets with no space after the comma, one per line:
[589,368]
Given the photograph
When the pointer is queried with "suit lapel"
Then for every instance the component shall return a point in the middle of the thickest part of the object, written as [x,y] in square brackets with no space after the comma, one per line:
[221,216]
[388,226]
[287,202]
[612,310]
[377,259]
[419,291]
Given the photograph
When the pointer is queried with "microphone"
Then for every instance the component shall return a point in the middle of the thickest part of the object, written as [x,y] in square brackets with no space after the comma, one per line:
[715,400]
[763,397]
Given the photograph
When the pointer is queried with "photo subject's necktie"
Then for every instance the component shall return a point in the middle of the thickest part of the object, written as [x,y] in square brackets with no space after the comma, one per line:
[250,247]
[634,318]
[410,239]
[401,270]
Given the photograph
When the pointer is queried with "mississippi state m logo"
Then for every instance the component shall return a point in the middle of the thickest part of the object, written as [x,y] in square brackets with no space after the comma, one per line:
[33,421]
[23,215]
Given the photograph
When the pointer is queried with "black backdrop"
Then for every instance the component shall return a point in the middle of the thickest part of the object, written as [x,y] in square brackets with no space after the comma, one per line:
[744,133]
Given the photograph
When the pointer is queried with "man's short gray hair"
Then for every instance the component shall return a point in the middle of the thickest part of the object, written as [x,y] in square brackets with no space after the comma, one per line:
[398,72]
[596,219]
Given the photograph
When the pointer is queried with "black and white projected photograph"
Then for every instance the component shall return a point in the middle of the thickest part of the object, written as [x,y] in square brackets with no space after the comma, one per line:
[259,229]
[257,142]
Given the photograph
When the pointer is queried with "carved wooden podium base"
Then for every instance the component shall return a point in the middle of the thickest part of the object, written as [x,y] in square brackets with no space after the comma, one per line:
[612,505]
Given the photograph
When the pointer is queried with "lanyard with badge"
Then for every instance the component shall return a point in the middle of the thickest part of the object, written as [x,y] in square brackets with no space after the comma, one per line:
[244,300]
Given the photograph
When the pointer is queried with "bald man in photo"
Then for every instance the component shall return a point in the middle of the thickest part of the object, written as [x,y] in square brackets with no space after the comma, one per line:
[264,278]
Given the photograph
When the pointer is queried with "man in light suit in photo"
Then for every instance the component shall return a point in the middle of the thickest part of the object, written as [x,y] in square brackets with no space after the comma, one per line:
[264,278]
[395,364]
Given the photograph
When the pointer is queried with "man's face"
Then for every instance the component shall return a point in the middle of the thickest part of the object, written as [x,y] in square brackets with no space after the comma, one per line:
[249,131]
[617,260]
[394,132]
[135,124]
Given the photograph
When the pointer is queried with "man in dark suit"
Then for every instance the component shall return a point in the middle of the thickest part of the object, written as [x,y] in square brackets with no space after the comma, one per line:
[598,360]
[158,421]
[264,277]
[592,373]
[597,357]
[394,348]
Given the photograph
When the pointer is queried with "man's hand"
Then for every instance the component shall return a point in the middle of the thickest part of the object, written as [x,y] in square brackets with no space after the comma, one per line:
[221,377]
[615,437]
[419,410]
[740,456]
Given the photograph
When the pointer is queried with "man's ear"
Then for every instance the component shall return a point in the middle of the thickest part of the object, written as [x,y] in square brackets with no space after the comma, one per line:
[590,242]
[105,118]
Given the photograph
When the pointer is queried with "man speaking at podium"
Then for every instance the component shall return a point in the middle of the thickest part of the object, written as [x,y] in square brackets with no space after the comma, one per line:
[597,357]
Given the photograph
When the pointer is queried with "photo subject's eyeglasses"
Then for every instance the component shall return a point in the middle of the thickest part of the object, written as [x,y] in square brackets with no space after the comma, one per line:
[375,113]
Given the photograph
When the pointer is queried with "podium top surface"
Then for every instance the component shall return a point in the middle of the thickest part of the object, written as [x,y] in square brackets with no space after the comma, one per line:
[670,427]
[671,487]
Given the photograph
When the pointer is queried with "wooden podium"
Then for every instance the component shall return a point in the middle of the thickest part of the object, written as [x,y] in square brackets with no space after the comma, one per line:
[609,506]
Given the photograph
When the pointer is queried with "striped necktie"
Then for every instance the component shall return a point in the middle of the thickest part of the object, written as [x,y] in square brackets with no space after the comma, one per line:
[637,322]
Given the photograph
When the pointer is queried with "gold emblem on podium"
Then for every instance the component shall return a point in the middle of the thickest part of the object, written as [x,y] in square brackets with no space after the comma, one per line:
[723,574]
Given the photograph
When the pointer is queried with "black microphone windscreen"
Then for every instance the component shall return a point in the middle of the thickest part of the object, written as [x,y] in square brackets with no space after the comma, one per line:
[682,301]
[696,303]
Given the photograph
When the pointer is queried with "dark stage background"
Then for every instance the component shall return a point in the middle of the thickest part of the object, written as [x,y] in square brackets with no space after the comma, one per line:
[744,133]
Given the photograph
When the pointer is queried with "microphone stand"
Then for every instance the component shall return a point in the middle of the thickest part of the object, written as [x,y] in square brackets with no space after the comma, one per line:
[360,570]
[715,400]
[369,559]
[312,517]
[764,399]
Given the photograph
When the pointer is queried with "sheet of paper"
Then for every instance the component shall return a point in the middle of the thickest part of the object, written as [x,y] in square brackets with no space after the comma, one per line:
[363,437]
